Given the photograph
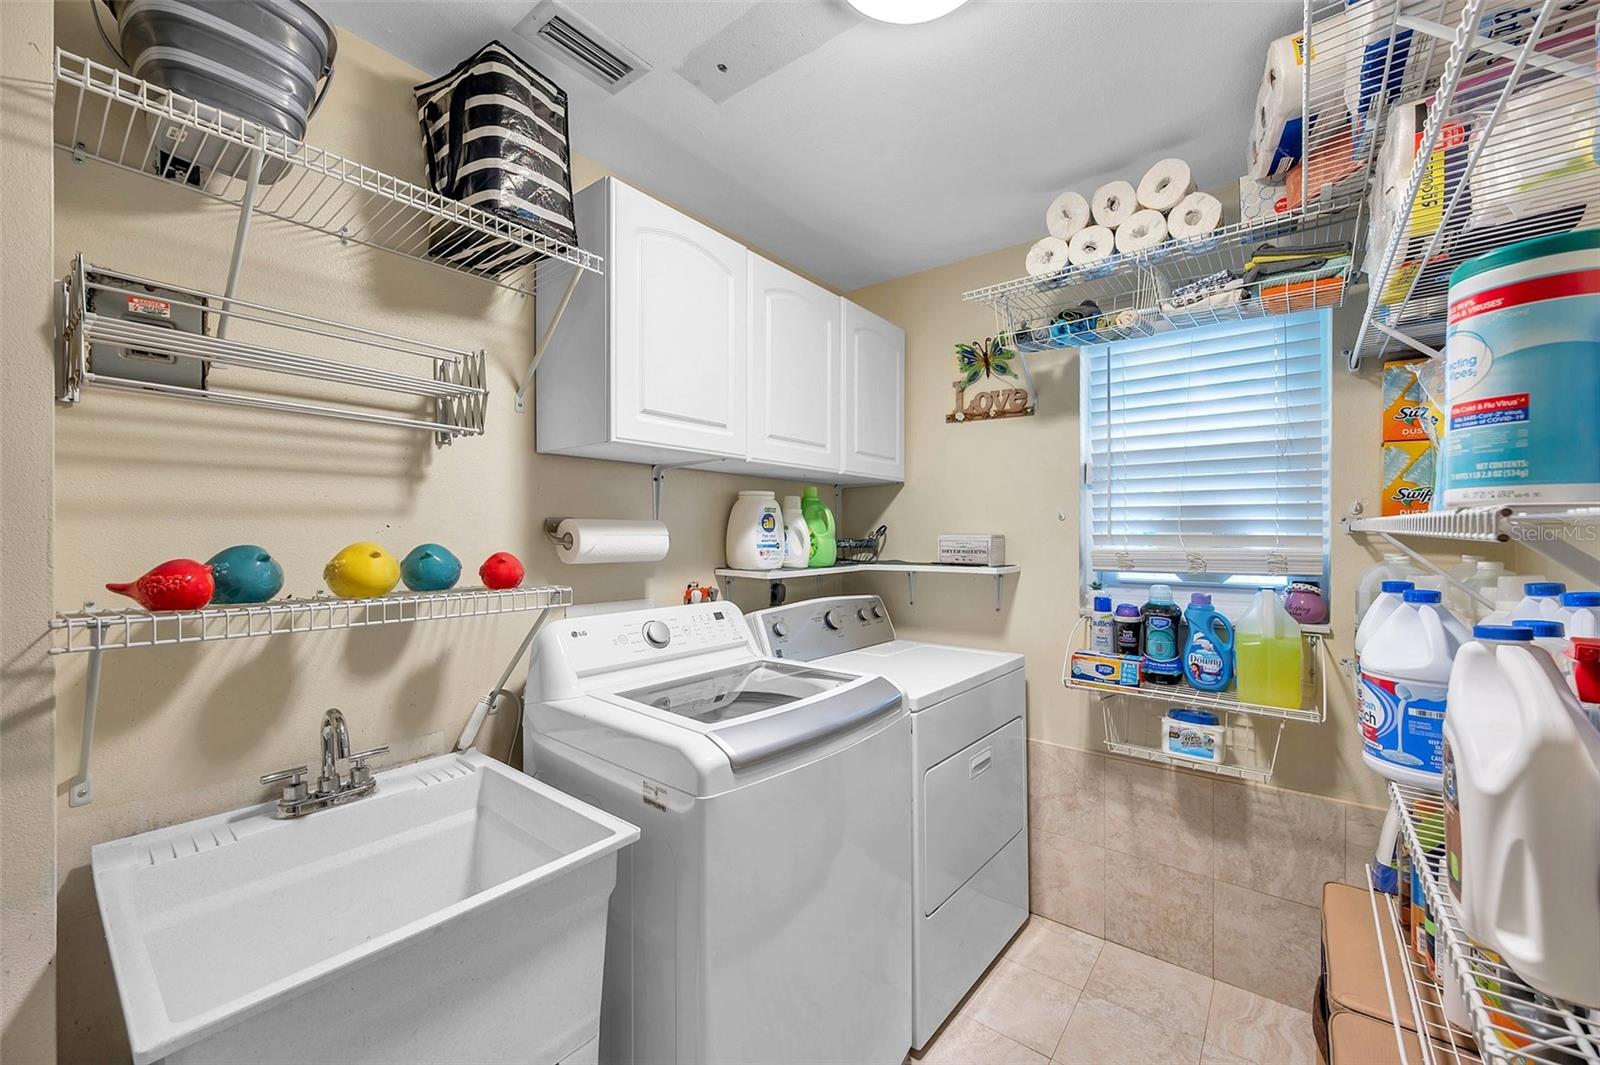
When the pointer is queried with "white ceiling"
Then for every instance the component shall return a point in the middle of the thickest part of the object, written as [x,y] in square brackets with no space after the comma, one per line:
[873,151]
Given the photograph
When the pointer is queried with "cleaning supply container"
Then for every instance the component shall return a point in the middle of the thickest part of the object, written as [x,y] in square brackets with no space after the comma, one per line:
[1522,814]
[1549,636]
[1583,613]
[755,532]
[1387,602]
[1394,567]
[1541,599]
[797,535]
[1482,582]
[1522,373]
[1267,654]
[1127,629]
[1102,627]
[819,520]
[1197,735]
[1208,647]
[1163,637]
[1405,676]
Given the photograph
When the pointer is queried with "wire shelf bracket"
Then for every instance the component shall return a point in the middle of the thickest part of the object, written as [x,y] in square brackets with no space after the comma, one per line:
[1538,527]
[94,632]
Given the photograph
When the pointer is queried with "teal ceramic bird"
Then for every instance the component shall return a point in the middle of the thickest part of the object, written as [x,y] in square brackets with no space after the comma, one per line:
[430,568]
[245,573]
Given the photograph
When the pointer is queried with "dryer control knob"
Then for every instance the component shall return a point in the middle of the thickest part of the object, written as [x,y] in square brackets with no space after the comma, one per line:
[831,619]
[656,633]
[862,614]
[780,629]
[877,611]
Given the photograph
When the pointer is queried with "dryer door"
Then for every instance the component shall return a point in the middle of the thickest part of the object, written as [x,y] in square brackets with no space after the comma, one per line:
[973,803]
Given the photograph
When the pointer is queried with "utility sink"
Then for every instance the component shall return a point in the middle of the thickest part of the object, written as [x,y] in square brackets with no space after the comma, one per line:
[458,913]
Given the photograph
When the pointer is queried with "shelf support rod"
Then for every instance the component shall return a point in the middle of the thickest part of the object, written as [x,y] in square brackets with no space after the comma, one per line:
[247,210]
[1431,568]
[658,480]
[543,343]
[999,591]
[81,791]
[911,587]
[1414,345]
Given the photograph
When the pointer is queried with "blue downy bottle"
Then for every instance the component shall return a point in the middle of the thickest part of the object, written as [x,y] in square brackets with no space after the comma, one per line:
[1208,652]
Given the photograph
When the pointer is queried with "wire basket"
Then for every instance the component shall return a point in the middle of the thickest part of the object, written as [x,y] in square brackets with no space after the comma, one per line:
[862,549]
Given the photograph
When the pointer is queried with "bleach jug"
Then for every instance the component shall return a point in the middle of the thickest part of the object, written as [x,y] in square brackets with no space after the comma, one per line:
[1405,675]
[1208,651]
[819,519]
[1541,599]
[1267,654]
[1583,613]
[1522,814]
[1387,602]
[1394,567]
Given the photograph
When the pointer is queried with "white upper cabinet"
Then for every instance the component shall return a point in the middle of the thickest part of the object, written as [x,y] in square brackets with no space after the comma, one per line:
[874,397]
[796,370]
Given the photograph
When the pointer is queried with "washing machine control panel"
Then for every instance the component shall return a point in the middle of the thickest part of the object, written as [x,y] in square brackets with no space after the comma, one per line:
[601,642]
[817,628]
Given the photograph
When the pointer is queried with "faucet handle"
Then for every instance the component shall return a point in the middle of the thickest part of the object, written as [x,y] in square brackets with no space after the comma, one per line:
[360,774]
[362,756]
[295,789]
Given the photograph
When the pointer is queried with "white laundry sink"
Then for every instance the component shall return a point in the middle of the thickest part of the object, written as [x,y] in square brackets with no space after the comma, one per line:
[456,914]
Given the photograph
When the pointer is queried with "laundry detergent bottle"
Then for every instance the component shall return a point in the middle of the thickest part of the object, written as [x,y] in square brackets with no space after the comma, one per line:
[819,519]
[1163,637]
[1522,814]
[1405,676]
[1268,654]
[796,535]
[1208,649]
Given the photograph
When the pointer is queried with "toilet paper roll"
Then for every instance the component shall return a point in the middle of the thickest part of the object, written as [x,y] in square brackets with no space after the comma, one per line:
[1275,131]
[1090,245]
[1113,203]
[1047,257]
[1165,185]
[1196,215]
[1143,231]
[1068,213]
[592,540]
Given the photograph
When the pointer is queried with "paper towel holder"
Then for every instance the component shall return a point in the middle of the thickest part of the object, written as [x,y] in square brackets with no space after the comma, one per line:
[658,480]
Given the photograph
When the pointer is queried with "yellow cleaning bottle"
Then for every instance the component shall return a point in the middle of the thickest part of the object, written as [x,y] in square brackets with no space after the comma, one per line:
[1267,653]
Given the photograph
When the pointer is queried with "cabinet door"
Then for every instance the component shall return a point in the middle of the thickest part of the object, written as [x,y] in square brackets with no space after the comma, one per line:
[874,395]
[796,370]
[679,342]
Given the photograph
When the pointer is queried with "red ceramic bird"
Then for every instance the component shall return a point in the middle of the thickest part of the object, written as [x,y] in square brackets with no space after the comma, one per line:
[177,584]
[501,570]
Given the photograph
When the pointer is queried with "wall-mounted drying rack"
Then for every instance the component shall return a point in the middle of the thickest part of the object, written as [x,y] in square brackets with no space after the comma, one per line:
[102,113]
[93,632]
[258,369]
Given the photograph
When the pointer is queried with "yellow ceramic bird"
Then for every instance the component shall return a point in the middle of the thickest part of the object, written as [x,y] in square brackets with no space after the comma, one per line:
[361,571]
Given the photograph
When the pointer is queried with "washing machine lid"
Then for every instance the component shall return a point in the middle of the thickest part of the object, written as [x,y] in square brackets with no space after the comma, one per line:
[929,673]
[760,709]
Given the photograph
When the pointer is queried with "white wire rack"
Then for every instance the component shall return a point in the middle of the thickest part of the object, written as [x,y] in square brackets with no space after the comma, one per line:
[106,350]
[1480,524]
[1514,1023]
[1506,151]
[104,114]
[1135,732]
[1430,1039]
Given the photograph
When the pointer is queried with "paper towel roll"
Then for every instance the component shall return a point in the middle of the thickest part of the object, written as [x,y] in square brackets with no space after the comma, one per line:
[1195,216]
[1068,213]
[1143,231]
[1047,257]
[1275,130]
[1165,185]
[1113,203]
[591,540]
[1090,245]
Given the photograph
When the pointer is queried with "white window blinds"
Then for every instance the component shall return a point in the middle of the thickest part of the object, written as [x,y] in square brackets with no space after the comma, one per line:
[1207,449]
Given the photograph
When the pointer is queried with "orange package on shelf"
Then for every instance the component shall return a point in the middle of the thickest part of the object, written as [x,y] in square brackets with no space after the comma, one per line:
[1303,295]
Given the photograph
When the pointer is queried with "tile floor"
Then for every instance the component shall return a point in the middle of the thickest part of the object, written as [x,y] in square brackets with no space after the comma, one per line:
[1063,996]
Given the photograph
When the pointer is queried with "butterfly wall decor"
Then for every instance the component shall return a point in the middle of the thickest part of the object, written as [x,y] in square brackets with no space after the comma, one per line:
[988,359]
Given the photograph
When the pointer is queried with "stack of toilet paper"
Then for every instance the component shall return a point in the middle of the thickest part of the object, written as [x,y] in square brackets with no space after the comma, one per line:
[1123,218]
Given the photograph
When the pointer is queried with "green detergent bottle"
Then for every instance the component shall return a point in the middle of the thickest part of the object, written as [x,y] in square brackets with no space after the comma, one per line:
[819,519]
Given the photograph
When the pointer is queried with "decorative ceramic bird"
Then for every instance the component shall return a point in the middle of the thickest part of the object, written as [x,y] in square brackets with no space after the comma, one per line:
[177,584]
[245,573]
[430,568]
[361,571]
[501,570]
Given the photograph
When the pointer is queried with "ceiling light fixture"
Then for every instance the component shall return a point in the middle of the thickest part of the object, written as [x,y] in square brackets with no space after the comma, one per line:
[905,12]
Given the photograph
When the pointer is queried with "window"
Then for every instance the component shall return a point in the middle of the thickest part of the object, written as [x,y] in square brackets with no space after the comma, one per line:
[1206,454]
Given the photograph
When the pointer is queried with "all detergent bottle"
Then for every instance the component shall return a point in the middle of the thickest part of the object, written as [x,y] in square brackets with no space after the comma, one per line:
[1405,677]
[1267,654]
[1163,638]
[1522,814]
[1208,650]
[819,519]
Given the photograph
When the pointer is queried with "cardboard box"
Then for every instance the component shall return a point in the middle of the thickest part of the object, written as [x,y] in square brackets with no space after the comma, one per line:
[1407,413]
[1105,671]
[1409,471]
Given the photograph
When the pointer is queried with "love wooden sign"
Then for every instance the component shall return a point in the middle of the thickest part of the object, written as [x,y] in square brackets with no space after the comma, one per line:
[987,359]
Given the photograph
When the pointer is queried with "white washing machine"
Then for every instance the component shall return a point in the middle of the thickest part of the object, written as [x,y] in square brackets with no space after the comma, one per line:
[764,915]
[970,766]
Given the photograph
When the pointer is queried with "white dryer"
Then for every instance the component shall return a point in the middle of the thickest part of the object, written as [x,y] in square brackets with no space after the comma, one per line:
[970,798]
[764,915]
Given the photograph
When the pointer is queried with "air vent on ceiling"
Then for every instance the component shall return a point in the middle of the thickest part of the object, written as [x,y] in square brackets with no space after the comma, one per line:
[562,34]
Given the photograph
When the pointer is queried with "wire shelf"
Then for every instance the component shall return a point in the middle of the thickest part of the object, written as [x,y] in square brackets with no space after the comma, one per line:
[1433,1040]
[141,351]
[1315,683]
[104,114]
[1477,524]
[1505,153]
[1514,1023]
[104,630]
[1137,735]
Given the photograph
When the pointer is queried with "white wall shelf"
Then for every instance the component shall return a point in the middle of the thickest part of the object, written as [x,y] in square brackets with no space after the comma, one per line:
[93,632]
[1543,1030]
[1559,532]
[910,569]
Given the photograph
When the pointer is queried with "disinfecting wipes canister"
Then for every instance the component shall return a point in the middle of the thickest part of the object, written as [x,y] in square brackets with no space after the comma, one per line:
[1522,364]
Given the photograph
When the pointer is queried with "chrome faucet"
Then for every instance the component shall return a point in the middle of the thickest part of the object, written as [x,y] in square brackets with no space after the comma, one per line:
[298,800]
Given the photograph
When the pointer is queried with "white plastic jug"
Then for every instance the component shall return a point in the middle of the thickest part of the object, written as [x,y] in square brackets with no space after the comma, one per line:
[1482,580]
[1388,601]
[1583,613]
[1541,599]
[1522,815]
[1549,636]
[797,535]
[755,532]
[1405,675]
[1394,567]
